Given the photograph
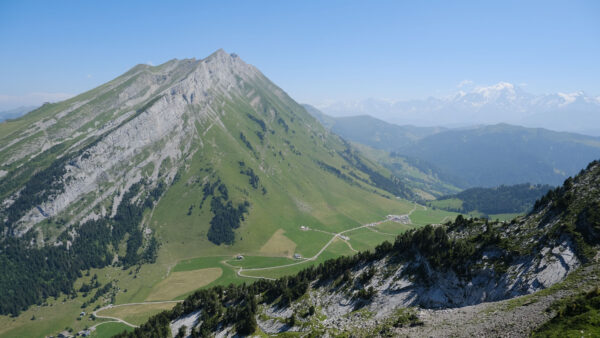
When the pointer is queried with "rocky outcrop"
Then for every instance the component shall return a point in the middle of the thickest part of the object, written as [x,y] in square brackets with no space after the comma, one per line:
[442,290]
[531,254]
[154,115]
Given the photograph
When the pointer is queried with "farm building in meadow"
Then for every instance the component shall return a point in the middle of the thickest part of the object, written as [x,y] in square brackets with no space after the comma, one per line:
[403,219]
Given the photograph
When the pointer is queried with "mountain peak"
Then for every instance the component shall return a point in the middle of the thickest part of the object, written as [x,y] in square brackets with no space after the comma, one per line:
[497,91]
[216,129]
[219,54]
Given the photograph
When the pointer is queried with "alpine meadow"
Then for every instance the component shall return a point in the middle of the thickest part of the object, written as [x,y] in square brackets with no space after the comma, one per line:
[170,164]
[299,169]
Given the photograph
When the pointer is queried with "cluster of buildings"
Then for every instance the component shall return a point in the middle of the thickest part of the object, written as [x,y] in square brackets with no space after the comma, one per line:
[67,334]
[403,219]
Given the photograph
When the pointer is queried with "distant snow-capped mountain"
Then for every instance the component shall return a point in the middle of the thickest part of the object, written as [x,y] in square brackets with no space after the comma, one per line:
[499,103]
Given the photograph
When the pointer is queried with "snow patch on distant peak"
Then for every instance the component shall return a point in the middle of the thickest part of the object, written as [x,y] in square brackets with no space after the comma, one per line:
[498,86]
[494,90]
[568,97]
[503,102]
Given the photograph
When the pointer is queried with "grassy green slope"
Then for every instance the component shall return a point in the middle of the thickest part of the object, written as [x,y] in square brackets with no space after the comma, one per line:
[428,183]
[576,316]
[298,191]
[294,189]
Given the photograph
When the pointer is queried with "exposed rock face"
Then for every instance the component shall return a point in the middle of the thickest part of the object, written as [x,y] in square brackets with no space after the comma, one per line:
[188,321]
[448,296]
[465,278]
[447,290]
[151,114]
[554,266]
[443,294]
[548,247]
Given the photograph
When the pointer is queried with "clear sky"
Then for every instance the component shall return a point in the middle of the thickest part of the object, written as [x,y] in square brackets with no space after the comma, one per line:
[315,50]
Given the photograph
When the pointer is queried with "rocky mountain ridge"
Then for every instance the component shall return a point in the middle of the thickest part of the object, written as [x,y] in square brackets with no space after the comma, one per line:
[188,158]
[452,266]
[106,152]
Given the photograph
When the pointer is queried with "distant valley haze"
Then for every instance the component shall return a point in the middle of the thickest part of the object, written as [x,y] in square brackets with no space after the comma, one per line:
[337,168]
[451,64]
[483,105]
[469,106]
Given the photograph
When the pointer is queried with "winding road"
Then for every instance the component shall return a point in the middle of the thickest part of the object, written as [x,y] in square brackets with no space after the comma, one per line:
[335,235]
[119,320]
[241,269]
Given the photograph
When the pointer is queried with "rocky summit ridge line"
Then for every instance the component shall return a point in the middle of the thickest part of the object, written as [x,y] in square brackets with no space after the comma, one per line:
[141,107]
[197,157]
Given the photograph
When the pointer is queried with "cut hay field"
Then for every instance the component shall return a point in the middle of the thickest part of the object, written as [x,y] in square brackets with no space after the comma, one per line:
[278,245]
[364,239]
[429,216]
[136,314]
[110,329]
[228,275]
[182,282]
[337,248]
[250,262]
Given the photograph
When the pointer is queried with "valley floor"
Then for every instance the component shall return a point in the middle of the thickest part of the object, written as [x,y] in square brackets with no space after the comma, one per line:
[138,297]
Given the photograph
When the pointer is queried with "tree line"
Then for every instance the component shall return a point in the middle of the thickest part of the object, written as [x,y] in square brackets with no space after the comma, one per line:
[499,200]
[30,274]
[226,217]
[236,305]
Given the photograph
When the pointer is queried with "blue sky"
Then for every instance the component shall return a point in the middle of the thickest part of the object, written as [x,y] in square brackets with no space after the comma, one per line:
[315,50]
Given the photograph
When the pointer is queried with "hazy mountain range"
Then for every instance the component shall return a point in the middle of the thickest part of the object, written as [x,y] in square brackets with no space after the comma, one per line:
[487,155]
[500,103]
[14,113]
[200,173]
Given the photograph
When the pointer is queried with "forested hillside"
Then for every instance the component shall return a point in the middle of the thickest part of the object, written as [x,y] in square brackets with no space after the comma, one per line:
[479,156]
[434,267]
[30,274]
[503,154]
[504,199]
[191,158]
[373,132]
